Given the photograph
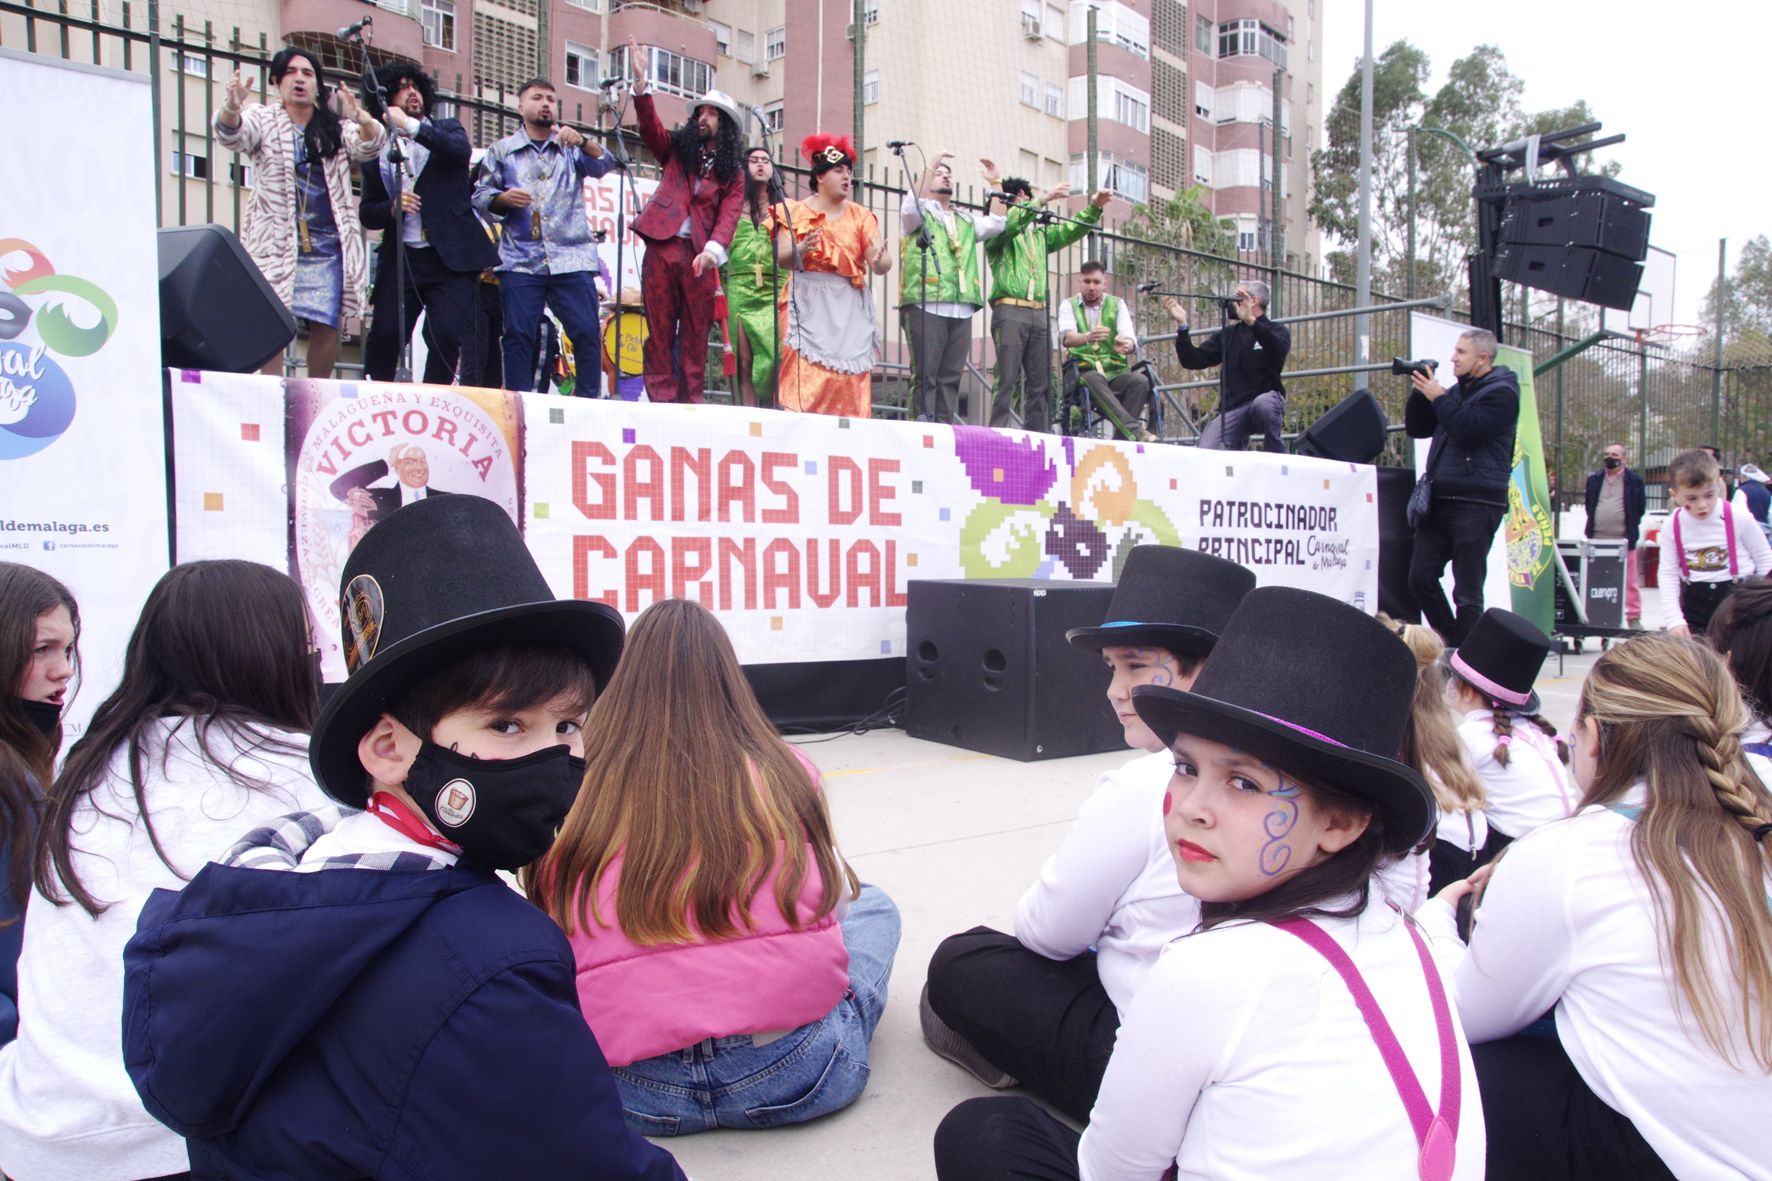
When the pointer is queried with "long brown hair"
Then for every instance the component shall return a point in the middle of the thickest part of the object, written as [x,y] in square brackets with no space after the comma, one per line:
[26,753]
[1669,713]
[1742,630]
[219,644]
[1431,745]
[690,785]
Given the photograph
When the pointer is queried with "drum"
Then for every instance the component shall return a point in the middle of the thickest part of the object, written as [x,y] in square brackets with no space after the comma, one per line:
[633,339]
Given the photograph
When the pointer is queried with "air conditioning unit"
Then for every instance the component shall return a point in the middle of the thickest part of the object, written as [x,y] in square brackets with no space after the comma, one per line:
[692,5]
[1030,27]
[760,70]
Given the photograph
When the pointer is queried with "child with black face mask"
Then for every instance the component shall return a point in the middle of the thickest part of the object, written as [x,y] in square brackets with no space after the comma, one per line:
[355,993]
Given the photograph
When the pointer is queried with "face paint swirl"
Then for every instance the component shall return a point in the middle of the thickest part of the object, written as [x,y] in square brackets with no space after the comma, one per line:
[1276,854]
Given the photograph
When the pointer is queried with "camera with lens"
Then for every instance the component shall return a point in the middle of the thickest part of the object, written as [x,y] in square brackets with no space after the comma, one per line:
[1402,368]
[1228,304]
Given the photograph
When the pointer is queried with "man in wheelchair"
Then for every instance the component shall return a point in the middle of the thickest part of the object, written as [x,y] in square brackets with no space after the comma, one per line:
[1100,339]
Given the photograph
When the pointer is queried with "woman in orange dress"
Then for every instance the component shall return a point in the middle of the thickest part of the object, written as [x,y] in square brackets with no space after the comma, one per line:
[832,245]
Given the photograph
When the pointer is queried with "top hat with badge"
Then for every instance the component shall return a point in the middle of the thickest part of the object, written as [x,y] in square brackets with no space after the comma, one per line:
[1311,685]
[1168,597]
[1502,657]
[438,580]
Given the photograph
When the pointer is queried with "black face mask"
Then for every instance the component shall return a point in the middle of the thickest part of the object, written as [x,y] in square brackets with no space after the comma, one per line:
[1613,463]
[502,812]
[45,715]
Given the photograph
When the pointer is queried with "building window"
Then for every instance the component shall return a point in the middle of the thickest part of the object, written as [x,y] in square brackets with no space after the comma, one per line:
[587,5]
[192,164]
[1115,24]
[240,175]
[1132,111]
[772,117]
[747,47]
[870,88]
[1127,178]
[1055,99]
[775,43]
[870,13]
[1202,166]
[1030,90]
[1247,37]
[1030,18]
[1054,22]
[437,19]
[193,64]
[722,38]
[581,66]
[671,73]
[1202,34]
[1203,100]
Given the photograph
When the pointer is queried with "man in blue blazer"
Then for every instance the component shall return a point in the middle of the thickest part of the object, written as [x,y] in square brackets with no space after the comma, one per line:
[446,246]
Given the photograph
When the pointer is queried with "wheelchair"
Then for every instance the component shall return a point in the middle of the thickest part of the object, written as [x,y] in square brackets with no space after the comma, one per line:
[1080,415]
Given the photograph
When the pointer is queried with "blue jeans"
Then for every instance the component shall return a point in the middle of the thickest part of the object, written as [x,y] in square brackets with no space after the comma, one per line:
[573,296]
[729,1082]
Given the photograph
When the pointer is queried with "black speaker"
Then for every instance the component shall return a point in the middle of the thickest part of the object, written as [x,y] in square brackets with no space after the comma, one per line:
[1577,272]
[1396,544]
[988,669]
[216,310]
[1351,431]
[1599,221]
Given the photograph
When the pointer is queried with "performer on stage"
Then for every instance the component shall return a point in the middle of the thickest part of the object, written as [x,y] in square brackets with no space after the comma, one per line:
[532,184]
[688,225]
[754,285]
[446,248]
[1019,324]
[939,287]
[828,344]
[301,223]
[1099,332]
[1252,349]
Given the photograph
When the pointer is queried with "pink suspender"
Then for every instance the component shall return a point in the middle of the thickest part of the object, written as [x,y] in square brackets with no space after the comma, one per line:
[1728,528]
[1436,1133]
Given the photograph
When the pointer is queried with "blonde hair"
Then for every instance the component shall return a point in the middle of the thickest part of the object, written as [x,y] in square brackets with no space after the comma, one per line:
[1431,746]
[689,784]
[1669,713]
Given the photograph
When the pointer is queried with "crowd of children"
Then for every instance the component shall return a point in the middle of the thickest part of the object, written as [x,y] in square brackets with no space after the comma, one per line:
[270,939]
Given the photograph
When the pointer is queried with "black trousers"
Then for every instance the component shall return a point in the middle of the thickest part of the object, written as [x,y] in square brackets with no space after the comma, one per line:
[447,298]
[1047,1022]
[1699,602]
[1004,1137]
[1024,355]
[1460,532]
[1546,1124]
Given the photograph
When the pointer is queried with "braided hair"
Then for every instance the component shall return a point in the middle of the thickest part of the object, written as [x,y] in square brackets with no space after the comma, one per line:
[1668,714]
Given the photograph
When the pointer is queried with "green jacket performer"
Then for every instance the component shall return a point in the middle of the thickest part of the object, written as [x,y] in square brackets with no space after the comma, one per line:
[1020,325]
[754,285]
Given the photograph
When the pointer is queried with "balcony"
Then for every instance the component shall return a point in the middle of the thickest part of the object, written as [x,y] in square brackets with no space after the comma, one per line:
[316,24]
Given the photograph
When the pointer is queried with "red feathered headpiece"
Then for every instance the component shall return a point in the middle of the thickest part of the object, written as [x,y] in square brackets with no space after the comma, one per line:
[827,151]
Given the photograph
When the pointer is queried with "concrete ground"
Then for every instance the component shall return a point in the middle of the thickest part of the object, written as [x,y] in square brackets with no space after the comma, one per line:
[954,837]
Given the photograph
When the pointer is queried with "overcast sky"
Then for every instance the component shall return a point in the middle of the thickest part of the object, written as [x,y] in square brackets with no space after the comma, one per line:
[1688,88]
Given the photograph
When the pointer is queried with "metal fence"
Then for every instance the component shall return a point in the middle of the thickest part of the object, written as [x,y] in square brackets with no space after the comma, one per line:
[1655,400]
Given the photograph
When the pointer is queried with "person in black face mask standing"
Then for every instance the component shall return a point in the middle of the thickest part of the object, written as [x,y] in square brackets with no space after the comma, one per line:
[1616,501]
[394,1007]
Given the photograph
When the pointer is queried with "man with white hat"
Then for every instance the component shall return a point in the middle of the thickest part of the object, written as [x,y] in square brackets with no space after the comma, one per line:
[1754,498]
[688,225]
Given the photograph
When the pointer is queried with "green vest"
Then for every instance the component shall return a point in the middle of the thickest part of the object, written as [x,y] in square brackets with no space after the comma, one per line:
[1103,355]
[951,275]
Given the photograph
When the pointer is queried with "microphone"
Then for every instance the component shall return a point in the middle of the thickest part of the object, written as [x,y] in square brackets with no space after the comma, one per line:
[1145,288]
[896,144]
[354,30]
[618,80]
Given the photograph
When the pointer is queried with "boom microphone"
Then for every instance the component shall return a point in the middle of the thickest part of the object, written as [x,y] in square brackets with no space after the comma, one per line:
[353,30]
[609,82]
[1146,288]
[896,144]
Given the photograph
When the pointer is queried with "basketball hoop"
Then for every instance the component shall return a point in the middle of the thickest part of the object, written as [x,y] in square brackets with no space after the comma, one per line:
[1672,336]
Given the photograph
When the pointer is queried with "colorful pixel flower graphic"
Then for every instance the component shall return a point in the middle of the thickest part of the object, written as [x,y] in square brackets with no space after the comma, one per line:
[36,396]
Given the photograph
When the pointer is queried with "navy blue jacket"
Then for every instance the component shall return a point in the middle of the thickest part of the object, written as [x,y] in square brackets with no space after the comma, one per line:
[1759,500]
[1636,503]
[444,189]
[1472,426]
[356,1023]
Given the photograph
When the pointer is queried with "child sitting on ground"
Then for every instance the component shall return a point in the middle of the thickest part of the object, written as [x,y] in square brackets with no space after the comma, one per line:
[356,993]
[1742,631]
[1302,1032]
[1706,546]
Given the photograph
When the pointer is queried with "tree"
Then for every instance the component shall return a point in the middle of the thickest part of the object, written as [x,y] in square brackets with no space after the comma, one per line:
[1180,244]
[1747,296]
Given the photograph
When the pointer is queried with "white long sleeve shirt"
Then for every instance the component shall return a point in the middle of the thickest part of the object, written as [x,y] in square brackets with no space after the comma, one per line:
[67,1108]
[1112,883]
[1568,920]
[1534,788]
[1706,544]
[1245,1058]
[911,212]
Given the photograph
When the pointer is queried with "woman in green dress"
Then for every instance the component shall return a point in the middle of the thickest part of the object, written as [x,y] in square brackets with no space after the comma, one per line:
[754,284]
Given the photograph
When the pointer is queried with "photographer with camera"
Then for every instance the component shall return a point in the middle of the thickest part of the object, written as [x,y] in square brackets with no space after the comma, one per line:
[1461,494]
[1252,350]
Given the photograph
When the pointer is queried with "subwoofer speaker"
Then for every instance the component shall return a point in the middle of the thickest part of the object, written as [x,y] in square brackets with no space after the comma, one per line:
[216,310]
[1351,431]
[988,669]
[1396,544]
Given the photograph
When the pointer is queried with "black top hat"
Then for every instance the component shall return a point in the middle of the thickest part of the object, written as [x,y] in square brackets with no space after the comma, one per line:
[435,581]
[1169,597]
[1502,656]
[1310,684]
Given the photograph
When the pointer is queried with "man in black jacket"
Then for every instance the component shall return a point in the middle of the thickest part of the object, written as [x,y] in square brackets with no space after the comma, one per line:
[1469,463]
[1616,501]
[446,247]
[1252,349]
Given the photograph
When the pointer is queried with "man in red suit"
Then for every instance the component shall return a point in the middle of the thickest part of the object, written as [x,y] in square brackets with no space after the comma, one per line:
[688,226]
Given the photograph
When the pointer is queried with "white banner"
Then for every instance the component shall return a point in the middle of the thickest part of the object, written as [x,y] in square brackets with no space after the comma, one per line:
[800,531]
[82,443]
[601,203]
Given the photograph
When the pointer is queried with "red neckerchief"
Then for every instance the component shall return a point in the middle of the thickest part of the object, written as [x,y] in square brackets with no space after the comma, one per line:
[393,812]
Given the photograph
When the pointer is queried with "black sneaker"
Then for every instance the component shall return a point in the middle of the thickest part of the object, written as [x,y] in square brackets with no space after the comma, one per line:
[958,1050]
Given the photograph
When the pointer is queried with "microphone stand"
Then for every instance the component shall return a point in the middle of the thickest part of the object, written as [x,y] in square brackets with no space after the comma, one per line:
[372,85]
[618,152]
[924,241]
